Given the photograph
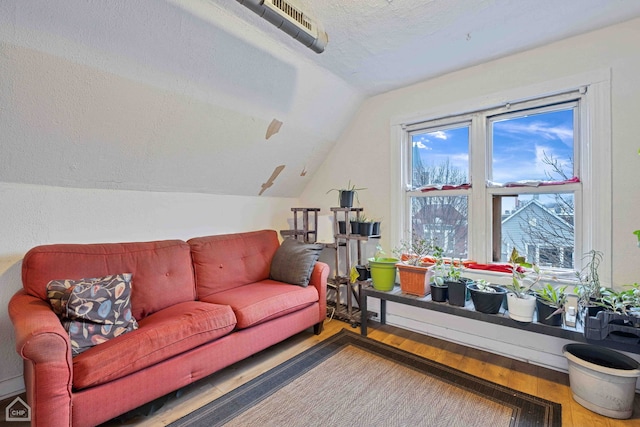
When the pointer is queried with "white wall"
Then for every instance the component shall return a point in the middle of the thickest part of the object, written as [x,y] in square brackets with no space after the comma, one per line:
[34,215]
[362,155]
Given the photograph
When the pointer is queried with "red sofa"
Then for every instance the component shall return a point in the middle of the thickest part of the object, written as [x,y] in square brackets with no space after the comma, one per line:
[200,305]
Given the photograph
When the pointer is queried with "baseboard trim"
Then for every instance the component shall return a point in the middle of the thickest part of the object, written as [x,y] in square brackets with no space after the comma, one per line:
[11,387]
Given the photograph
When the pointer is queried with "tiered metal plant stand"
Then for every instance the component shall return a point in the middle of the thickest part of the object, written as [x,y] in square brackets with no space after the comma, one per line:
[309,231]
[346,310]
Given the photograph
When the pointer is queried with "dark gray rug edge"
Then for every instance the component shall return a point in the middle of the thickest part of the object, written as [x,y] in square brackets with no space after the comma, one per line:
[528,410]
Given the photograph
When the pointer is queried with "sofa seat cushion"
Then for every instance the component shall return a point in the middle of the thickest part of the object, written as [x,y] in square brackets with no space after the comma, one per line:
[265,300]
[161,335]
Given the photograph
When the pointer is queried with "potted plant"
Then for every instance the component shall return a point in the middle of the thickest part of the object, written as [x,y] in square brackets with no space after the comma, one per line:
[458,291]
[487,298]
[589,290]
[345,195]
[623,302]
[383,270]
[414,271]
[521,302]
[602,380]
[375,230]
[619,319]
[355,225]
[365,226]
[440,285]
[550,303]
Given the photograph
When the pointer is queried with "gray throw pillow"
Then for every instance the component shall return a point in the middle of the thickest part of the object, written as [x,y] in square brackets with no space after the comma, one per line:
[294,260]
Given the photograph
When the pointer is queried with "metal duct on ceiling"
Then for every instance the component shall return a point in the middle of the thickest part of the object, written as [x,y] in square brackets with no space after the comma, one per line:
[291,20]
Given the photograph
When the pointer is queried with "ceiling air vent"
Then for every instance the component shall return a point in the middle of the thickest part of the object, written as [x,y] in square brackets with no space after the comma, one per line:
[291,20]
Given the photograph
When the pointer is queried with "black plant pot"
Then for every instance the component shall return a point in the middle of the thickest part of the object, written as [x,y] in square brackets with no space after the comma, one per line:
[363,272]
[487,302]
[593,310]
[342,227]
[346,199]
[376,228]
[590,310]
[457,292]
[365,228]
[544,311]
[607,325]
[355,227]
[439,293]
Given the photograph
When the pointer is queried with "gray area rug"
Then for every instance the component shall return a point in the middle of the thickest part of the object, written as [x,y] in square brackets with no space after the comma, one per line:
[350,380]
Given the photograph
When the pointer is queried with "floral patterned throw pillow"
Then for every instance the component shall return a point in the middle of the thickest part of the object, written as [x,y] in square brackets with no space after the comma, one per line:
[93,310]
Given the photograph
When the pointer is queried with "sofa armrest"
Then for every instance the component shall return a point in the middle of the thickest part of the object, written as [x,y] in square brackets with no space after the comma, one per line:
[318,279]
[48,368]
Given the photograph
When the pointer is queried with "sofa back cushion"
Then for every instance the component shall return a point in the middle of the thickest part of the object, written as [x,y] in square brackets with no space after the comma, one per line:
[162,273]
[230,260]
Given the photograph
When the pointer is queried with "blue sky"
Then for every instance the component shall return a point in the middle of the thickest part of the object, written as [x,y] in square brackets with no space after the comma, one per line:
[520,145]
[518,150]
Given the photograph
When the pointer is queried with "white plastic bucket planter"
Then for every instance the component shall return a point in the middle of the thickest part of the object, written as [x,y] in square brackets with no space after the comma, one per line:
[602,380]
[521,309]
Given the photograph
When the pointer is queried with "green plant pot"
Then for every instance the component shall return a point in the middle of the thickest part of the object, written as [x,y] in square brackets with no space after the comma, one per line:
[383,273]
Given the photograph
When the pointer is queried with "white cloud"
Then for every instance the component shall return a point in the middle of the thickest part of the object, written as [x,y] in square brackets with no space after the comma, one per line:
[439,134]
[421,145]
[542,129]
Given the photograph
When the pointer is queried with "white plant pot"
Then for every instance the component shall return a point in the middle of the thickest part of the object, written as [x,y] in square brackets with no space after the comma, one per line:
[521,309]
[602,380]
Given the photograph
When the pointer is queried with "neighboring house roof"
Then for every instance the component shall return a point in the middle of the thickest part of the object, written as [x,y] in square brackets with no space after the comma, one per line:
[549,229]
[539,210]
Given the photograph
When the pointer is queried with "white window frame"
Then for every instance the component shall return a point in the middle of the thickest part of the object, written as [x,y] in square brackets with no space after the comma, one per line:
[593,227]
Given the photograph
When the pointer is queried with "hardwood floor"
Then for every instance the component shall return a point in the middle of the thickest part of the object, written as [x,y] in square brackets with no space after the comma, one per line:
[542,382]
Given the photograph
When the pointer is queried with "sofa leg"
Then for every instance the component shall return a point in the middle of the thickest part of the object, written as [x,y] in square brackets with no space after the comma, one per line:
[317,328]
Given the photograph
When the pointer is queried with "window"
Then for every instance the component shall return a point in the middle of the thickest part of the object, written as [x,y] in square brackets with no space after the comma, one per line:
[440,157]
[519,174]
[535,146]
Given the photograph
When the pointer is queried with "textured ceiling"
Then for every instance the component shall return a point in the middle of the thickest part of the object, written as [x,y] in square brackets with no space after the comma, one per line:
[379,45]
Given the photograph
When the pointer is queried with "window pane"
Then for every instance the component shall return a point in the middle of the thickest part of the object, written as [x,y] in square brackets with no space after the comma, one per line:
[533,147]
[443,219]
[539,226]
[440,156]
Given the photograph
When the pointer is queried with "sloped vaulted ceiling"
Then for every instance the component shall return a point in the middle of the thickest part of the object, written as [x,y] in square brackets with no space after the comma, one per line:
[146,95]
[181,95]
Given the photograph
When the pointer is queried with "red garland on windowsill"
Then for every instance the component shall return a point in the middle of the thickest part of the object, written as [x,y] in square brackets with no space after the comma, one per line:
[472,265]
[433,187]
